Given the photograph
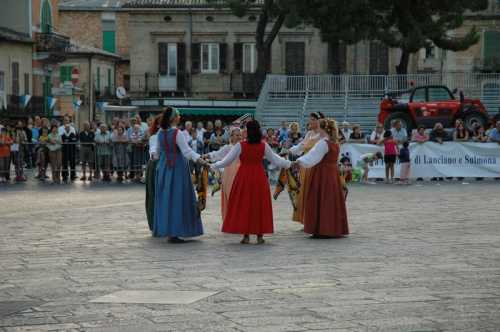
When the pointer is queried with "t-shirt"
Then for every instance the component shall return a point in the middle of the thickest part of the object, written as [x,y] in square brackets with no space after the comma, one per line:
[495,135]
[5,146]
[390,147]
[87,137]
[399,135]
[404,155]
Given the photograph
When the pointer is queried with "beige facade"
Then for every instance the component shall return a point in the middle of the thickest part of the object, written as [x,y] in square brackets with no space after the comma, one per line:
[15,68]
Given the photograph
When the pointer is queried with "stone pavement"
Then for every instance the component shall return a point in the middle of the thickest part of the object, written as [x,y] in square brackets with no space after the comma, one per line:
[420,258]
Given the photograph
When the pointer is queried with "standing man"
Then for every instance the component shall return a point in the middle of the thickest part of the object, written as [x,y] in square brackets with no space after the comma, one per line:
[399,133]
[69,140]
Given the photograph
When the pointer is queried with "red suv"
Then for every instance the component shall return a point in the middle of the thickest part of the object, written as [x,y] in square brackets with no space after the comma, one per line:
[427,105]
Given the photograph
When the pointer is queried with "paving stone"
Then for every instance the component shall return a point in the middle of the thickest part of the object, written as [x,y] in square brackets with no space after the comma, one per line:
[156,297]
[417,259]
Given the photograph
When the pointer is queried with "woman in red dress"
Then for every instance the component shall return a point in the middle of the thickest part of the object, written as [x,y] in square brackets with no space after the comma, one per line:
[250,210]
[325,210]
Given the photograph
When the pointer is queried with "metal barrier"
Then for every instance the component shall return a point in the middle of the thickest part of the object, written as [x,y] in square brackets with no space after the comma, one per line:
[356,98]
[71,161]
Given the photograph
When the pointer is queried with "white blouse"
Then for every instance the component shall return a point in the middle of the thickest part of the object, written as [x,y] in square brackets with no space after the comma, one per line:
[186,151]
[153,142]
[235,152]
[299,148]
[221,153]
[315,155]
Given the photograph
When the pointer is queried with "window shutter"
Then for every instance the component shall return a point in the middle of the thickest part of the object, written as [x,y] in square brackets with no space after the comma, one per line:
[491,46]
[181,66]
[15,78]
[195,58]
[163,58]
[109,41]
[223,57]
[379,59]
[98,79]
[238,57]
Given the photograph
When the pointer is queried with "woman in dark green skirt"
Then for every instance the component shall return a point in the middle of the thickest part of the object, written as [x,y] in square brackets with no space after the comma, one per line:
[151,172]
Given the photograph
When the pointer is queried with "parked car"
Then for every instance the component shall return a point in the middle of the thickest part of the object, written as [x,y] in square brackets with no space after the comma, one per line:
[427,105]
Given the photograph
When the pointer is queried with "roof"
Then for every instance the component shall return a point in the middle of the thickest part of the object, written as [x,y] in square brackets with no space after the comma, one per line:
[175,3]
[91,5]
[7,34]
[76,49]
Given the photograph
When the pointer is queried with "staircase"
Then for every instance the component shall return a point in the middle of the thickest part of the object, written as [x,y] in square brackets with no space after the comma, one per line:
[293,98]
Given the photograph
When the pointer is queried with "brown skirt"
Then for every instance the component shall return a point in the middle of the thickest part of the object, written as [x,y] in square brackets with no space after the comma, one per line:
[325,209]
[304,179]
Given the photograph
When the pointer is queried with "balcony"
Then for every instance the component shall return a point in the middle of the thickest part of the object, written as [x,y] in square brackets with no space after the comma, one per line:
[15,109]
[218,85]
[53,44]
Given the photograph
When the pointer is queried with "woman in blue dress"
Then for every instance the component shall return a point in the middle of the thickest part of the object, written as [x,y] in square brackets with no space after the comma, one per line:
[176,213]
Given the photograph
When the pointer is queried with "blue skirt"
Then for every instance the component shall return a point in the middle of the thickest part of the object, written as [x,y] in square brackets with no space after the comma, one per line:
[176,213]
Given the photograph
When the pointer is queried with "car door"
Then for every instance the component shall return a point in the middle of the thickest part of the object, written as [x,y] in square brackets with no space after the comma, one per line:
[441,104]
[418,106]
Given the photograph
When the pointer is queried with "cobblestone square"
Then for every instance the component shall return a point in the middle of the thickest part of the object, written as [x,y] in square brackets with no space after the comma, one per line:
[419,258]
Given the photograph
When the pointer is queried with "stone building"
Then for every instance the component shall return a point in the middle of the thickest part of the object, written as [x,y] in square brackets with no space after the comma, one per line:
[99,24]
[188,48]
[15,68]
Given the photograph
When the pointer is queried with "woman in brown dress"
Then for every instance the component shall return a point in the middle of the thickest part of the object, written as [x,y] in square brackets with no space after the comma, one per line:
[312,137]
[325,209]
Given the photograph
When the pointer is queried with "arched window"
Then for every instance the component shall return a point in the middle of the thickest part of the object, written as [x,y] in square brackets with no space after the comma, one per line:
[46,19]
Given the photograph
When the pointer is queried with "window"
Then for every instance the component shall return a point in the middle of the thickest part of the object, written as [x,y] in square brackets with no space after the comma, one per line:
[249,58]
[419,96]
[491,50]
[98,79]
[65,73]
[109,32]
[2,82]
[209,58]
[46,17]
[430,52]
[110,86]
[26,83]
[15,78]
[439,94]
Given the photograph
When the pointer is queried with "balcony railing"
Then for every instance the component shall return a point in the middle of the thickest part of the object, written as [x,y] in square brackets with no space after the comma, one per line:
[239,84]
[52,42]
[15,109]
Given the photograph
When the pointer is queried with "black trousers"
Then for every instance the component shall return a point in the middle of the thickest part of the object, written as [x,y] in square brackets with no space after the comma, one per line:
[69,161]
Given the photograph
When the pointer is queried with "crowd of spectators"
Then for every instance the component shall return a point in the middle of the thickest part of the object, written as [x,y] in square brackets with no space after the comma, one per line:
[120,149]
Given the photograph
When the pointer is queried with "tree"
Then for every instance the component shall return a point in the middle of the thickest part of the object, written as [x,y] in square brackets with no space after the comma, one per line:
[340,21]
[272,15]
[413,25]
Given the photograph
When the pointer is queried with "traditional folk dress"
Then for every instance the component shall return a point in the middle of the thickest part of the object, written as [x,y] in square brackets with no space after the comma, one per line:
[325,209]
[249,208]
[228,175]
[175,209]
[150,180]
[307,144]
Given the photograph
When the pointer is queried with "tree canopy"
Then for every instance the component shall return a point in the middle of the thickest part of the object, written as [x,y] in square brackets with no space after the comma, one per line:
[405,24]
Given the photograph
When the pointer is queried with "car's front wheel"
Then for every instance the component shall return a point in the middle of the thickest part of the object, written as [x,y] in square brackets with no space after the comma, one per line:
[404,118]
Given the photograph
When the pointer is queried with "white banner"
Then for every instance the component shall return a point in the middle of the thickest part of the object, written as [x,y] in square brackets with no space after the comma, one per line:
[451,159]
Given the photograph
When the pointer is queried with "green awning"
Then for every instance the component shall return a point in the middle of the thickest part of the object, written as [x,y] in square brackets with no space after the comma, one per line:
[216,111]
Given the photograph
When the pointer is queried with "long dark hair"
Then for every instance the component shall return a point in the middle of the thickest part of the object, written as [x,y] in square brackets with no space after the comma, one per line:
[254,134]
[166,118]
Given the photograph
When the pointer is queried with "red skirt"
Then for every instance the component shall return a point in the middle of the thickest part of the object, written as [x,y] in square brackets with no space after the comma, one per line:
[325,210]
[250,209]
